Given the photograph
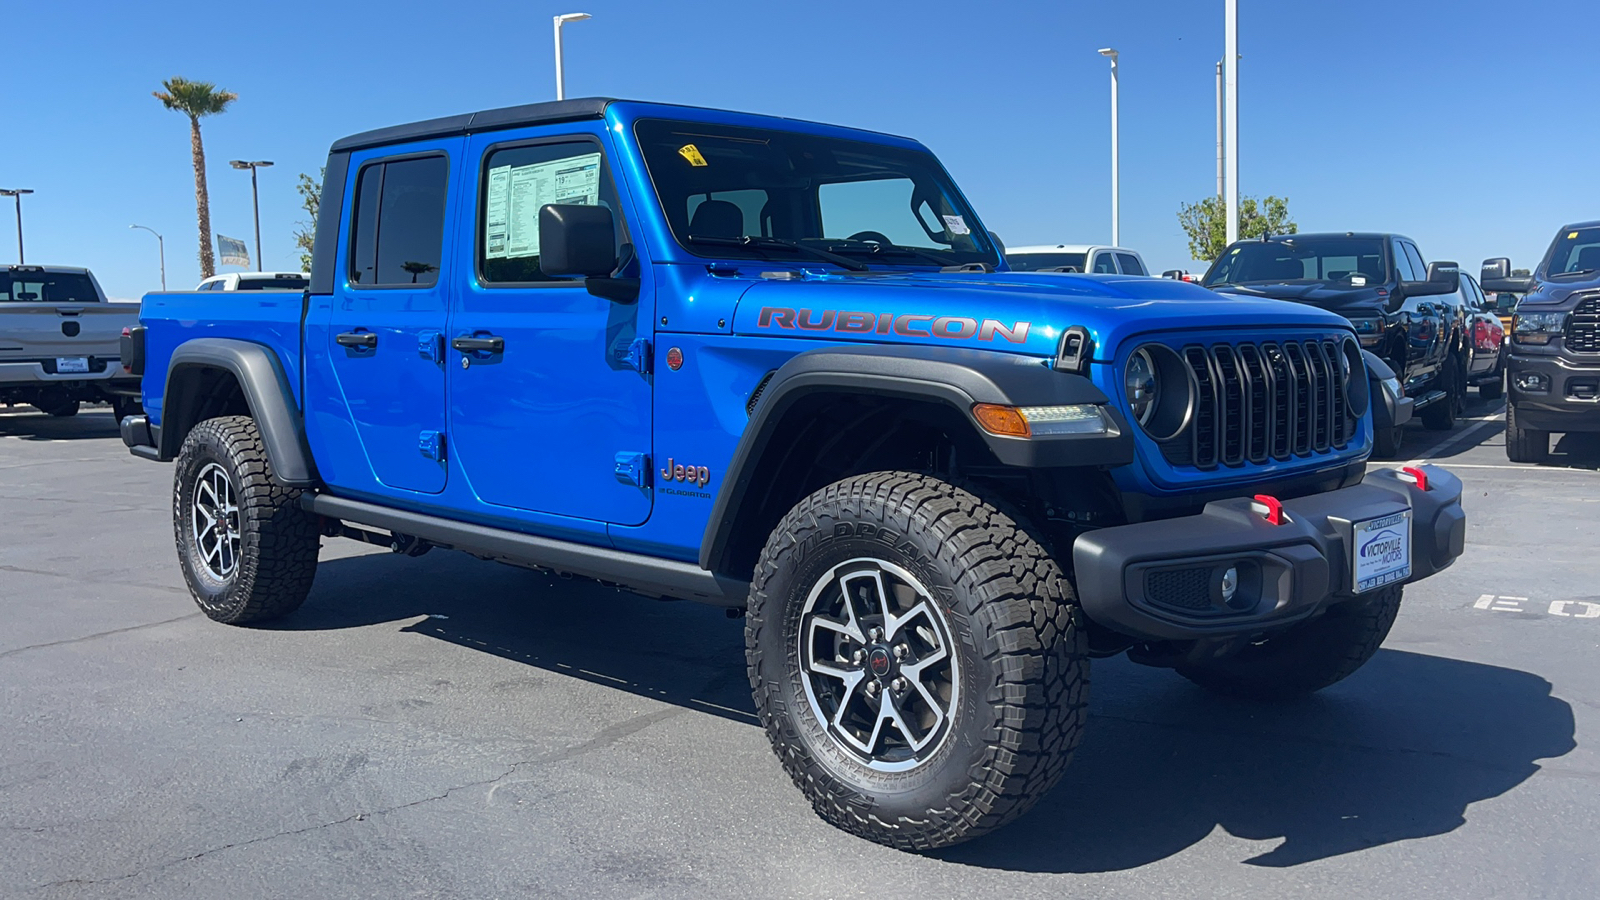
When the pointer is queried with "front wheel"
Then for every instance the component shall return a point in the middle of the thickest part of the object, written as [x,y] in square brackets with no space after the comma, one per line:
[248,551]
[1304,658]
[1441,415]
[1386,441]
[1525,445]
[915,660]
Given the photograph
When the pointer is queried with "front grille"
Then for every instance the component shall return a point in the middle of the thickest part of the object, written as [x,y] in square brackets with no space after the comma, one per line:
[1583,327]
[1275,400]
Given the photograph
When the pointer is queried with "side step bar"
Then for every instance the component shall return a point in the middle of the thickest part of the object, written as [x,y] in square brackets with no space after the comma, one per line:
[1429,399]
[645,574]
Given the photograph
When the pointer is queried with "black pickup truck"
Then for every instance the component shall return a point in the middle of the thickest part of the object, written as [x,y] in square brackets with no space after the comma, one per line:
[1408,314]
[1553,367]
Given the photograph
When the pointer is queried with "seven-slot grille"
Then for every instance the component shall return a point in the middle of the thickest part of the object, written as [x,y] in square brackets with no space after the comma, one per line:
[1273,400]
[1583,327]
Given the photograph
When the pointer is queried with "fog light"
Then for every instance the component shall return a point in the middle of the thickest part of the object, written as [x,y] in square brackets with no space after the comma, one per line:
[1230,584]
[1532,381]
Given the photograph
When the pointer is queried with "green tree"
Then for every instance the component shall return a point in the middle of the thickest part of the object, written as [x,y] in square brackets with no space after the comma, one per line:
[197,99]
[1207,226]
[305,232]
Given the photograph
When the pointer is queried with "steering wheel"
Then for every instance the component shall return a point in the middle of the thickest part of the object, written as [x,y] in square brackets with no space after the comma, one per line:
[876,237]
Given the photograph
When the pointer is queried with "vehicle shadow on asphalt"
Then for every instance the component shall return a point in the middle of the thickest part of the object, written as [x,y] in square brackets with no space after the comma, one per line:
[1397,752]
[675,652]
[24,423]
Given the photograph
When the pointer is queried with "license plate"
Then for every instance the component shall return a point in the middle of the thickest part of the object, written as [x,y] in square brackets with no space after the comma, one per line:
[1382,551]
[65,364]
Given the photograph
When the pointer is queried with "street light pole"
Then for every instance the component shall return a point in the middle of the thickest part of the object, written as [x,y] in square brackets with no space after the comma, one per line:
[161,247]
[17,193]
[1116,237]
[1230,66]
[1220,154]
[561,77]
[255,198]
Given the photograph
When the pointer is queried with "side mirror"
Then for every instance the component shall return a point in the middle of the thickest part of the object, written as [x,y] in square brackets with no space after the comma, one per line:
[577,240]
[999,245]
[1176,274]
[1443,278]
[1496,276]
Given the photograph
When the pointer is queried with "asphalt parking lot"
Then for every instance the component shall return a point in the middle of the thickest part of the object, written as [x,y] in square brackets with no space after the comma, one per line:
[445,727]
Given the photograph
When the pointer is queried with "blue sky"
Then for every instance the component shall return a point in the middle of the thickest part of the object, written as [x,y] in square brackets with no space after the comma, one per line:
[1468,125]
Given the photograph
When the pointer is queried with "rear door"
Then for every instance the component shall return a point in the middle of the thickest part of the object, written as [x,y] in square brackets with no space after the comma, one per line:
[1130,264]
[384,336]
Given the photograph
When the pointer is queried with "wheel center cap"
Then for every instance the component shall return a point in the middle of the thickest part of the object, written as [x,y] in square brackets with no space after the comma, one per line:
[879,661]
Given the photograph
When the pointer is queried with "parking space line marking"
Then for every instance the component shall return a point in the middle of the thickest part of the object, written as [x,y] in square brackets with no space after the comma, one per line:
[1590,610]
[1439,450]
[1585,609]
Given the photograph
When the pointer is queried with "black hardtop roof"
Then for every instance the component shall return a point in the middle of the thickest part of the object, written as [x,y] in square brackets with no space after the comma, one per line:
[1331,234]
[484,120]
[1591,224]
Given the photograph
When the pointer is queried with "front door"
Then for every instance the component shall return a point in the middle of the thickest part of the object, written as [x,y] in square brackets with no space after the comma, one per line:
[385,333]
[549,391]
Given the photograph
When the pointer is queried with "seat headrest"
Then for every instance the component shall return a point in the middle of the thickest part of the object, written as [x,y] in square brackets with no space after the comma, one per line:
[717,218]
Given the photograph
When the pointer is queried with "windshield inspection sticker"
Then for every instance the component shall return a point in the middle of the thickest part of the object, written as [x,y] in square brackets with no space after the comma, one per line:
[516,193]
[955,224]
[692,154]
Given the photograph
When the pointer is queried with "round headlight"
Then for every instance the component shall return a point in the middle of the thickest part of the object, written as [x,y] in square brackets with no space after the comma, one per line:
[1139,381]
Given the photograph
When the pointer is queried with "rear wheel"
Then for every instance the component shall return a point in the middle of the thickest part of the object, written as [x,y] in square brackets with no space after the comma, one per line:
[123,407]
[248,551]
[1386,441]
[1441,415]
[915,660]
[60,409]
[1525,445]
[1307,657]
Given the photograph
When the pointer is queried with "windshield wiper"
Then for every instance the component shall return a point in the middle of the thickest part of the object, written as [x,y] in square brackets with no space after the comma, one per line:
[877,248]
[1236,287]
[1576,273]
[759,243]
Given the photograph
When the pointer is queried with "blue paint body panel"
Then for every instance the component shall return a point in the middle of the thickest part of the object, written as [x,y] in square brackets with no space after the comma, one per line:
[545,436]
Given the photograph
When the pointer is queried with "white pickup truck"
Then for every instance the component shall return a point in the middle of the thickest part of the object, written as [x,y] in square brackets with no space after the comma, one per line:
[60,341]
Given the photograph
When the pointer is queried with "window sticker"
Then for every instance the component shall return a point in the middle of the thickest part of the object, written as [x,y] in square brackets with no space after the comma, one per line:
[516,193]
[1573,236]
[955,224]
[692,154]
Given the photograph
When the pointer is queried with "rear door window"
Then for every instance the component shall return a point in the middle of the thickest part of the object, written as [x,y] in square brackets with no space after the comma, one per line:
[399,222]
[1130,264]
[1416,260]
[1103,264]
[1402,263]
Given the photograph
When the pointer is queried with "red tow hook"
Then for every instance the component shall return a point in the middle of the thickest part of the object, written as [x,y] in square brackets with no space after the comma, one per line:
[1416,475]
[1269,508]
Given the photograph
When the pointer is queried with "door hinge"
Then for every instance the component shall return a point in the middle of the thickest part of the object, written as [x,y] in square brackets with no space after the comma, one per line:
[639,356]
[430,346]
[431,445]
[633,468]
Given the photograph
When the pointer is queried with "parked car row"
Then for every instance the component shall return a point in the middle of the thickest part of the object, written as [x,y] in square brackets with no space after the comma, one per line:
[59,341]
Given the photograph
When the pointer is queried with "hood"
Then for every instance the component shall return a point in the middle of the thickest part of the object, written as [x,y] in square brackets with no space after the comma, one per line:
[1344,300]
[1016,312]
[1555,293]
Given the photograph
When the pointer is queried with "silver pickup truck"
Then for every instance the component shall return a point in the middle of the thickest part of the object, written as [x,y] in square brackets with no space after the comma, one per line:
[60,341]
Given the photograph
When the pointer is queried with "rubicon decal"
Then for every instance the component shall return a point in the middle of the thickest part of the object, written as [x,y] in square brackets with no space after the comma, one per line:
[953,328]
[699,476]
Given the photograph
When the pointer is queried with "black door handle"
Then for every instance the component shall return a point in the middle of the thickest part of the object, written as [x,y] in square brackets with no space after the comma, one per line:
[365,340]
[489,344]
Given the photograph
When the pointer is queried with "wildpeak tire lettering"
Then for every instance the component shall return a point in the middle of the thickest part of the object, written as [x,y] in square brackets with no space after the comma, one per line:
[954,328]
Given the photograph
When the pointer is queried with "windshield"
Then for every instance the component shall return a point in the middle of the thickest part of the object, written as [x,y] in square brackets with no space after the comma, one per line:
[1033,262]
[275,283]
[767,194]
[1355,261]
[47,287]
[1575,252]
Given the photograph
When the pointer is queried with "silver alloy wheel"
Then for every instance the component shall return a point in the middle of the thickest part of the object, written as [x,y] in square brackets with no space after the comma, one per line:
[216,522]
[878,664]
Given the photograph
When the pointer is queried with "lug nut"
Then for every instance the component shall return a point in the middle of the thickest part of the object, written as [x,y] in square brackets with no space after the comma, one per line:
[899,684]
[900,651]
[875,634]
[872,688]
[858,656]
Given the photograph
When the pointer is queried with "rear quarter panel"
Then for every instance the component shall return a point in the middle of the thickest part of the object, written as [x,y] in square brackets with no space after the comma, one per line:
[269,318]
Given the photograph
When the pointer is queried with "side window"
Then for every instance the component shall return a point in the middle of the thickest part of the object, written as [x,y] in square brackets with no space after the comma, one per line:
[1416,261]
[398,233]
[1130,264]
[1103,264]
[1402,263]
[517,182]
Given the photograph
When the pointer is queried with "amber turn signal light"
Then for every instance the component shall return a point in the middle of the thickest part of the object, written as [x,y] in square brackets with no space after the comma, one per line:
[1004,420]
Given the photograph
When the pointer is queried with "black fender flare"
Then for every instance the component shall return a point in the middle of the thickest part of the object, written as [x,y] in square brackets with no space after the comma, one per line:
[958,378]
[1387,411]
[266,390]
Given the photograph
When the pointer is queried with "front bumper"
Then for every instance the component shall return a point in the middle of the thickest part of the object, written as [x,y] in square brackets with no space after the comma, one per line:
[1571,400]
[1156,580]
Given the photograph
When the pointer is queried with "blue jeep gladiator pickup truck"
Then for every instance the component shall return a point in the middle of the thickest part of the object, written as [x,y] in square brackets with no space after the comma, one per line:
[781,366]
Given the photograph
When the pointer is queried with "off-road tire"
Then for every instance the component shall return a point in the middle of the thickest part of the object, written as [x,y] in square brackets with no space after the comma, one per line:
[1441,415]
[278,541]
[1525,445]
[1024,673]
[1386,441]
[1305,658]
[62,410]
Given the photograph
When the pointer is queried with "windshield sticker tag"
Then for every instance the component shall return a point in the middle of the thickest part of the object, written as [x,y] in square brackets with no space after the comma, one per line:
[1573,236]
[1358,280]
[692,154]
[955,224]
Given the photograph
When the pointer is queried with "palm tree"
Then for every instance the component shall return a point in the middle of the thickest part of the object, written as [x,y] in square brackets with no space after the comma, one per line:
[195,99]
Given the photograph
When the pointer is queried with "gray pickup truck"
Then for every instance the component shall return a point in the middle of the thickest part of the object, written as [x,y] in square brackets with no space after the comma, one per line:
[60,342]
